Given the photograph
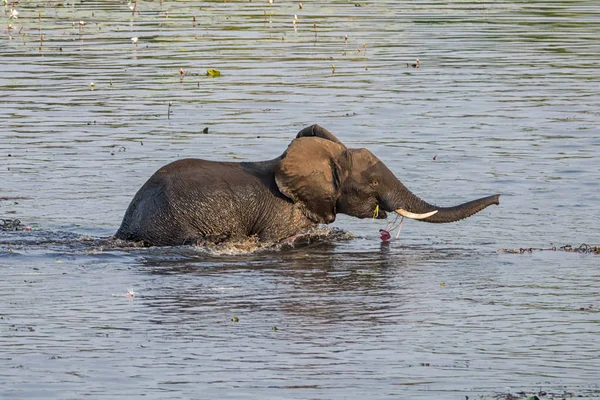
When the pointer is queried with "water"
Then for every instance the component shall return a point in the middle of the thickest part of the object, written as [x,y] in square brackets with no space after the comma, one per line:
[506,99]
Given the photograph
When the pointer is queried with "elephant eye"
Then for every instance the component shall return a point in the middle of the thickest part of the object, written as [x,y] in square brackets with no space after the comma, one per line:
[374,182]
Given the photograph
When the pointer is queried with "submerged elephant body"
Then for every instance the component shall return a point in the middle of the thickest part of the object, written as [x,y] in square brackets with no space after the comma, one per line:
[194,200]
[191,201]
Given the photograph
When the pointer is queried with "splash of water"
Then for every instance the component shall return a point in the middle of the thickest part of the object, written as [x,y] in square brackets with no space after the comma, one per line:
[66,242]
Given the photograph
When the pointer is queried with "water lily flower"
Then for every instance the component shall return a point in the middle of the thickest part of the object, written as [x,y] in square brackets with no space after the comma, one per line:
[13,14]
[134,40]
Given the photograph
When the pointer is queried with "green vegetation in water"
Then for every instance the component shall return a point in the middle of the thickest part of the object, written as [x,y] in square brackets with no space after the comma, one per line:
[558,50]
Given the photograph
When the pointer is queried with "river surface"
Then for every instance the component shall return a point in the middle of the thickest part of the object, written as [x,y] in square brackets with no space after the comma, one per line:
[506,100]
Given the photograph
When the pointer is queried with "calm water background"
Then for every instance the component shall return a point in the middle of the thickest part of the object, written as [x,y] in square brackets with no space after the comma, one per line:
[507,99]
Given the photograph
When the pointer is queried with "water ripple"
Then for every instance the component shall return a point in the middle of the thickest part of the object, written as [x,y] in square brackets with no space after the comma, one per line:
[505,101]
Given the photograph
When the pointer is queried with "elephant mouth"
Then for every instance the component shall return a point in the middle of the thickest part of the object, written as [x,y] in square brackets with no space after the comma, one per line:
[408,214]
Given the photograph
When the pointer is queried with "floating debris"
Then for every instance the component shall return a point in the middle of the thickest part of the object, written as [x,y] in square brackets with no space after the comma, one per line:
[583,248]
[415,65]
[183,72]
[13,225]
[542,394]
[133,8]
[130,293]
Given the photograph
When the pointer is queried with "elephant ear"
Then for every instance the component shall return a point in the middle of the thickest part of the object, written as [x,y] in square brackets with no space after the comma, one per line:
[318,131]
[311,173]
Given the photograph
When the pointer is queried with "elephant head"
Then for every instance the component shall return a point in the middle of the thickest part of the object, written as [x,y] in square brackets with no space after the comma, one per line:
[324,178]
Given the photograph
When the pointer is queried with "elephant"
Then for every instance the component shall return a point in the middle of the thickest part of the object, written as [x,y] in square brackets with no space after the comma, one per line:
[194,201]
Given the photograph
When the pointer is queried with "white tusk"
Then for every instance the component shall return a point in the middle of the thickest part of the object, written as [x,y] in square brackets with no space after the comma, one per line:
[408,214]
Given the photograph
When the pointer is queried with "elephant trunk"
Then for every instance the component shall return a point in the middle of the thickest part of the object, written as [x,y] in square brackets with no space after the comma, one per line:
[405,203]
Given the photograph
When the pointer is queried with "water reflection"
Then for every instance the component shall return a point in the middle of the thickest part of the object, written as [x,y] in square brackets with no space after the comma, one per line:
[318,283]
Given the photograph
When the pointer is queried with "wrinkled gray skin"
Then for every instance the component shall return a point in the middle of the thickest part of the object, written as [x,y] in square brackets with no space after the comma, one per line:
[192,201]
